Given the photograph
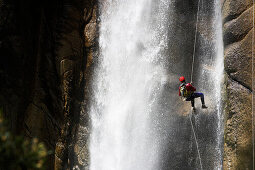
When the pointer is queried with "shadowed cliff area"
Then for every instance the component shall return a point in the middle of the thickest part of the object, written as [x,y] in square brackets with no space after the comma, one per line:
[42,71]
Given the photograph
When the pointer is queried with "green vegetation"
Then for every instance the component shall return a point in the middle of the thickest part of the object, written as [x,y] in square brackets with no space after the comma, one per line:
[18,153]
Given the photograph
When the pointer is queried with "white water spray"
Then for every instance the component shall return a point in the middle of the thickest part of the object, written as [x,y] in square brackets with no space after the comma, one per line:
[213,81]
[218,81]
[127,84]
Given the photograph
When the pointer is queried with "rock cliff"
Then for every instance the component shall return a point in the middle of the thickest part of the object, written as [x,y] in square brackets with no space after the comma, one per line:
[237,34]
[44,52]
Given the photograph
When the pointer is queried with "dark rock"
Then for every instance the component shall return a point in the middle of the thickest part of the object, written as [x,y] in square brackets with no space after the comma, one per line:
[42,71]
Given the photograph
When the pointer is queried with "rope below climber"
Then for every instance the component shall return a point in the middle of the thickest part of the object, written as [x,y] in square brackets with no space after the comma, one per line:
[188,94]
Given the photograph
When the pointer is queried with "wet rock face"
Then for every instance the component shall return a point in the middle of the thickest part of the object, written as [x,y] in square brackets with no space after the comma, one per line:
[237,34]
[43,64]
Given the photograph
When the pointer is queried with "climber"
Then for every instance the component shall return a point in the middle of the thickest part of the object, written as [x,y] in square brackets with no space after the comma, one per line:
[187,92]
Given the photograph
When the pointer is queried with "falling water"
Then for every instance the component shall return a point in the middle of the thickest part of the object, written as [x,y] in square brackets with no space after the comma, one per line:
[211,74]
[127,84]
[218,82]
[138,122]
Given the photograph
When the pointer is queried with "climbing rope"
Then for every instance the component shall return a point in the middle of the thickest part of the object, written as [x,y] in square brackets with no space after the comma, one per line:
[252,84]
[195,141]
[195,42]
[191,78]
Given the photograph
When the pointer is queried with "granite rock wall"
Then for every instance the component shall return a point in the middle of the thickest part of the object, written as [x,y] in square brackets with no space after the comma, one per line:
[237,18]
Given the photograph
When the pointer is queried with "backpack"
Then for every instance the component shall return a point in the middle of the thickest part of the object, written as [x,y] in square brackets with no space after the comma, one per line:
[183,90]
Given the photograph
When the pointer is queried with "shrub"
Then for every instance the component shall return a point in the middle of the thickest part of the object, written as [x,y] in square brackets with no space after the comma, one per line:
[18,153]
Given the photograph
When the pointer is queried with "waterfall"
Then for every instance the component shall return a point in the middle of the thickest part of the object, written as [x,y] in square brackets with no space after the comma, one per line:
[138,121]
[210,76]
[218,82]
[127,83]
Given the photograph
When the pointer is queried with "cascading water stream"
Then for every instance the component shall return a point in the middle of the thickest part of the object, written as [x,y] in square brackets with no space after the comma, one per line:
[215,75]
[218,82]
[138,121]
[210,78]
[127,85]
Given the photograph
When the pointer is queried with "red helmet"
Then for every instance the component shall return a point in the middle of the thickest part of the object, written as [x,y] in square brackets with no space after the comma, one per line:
[182,79]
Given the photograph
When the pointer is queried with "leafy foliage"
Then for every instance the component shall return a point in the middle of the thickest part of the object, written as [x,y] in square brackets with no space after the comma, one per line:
[18,153]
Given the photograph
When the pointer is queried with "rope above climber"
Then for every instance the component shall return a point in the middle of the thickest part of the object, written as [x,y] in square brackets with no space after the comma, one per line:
[187,91]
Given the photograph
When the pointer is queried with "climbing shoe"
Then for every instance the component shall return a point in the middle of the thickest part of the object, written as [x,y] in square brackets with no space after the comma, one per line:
[204,106]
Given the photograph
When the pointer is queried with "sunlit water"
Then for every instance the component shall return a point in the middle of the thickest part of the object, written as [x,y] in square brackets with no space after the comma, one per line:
[211,80]
[134,123]
[126,84]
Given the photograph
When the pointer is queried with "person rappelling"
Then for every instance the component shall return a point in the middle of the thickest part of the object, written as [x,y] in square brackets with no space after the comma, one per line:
[187,91]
